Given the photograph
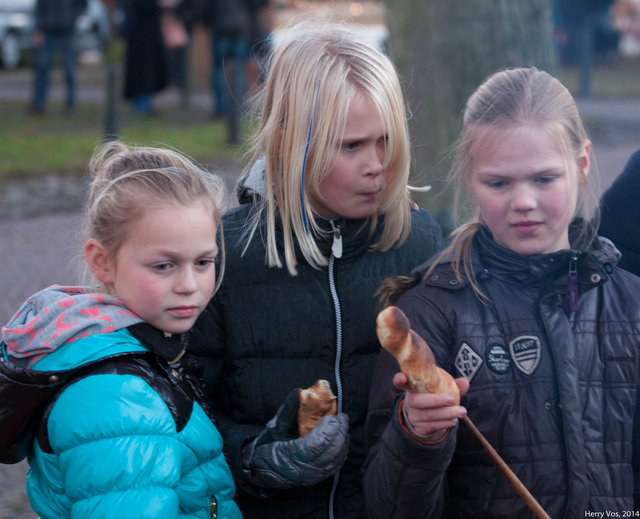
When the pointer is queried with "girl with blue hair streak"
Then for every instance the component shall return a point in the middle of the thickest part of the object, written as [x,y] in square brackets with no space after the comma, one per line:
[324,216]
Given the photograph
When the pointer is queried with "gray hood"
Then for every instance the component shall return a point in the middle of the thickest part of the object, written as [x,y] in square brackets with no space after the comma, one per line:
[251,185]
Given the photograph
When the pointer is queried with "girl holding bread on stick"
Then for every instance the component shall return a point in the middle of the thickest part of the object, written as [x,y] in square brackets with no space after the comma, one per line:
[325,216]
[528,309]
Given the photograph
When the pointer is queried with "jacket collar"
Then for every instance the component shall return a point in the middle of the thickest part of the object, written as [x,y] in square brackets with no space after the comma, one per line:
[354,233]
[595,260]
[594,263]
[168,347]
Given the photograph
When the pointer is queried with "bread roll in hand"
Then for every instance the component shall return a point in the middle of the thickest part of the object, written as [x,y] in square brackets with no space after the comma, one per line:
[413,355]
[316,402]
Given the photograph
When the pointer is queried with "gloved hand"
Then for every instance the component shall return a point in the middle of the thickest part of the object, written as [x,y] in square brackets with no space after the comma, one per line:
[278,458]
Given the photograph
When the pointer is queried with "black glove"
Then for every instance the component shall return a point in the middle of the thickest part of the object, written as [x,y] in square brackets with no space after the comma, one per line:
[278,458]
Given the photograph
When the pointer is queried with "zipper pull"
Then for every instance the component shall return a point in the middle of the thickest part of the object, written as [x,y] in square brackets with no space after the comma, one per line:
[336,246]
[572,285]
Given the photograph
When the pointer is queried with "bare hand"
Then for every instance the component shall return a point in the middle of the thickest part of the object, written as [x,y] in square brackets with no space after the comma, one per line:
[430,415]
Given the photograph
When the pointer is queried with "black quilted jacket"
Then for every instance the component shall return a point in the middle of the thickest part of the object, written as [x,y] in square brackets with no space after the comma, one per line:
[554,391]
[267,332]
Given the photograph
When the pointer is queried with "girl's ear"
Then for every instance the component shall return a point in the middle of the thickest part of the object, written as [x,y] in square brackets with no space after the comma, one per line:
[99,261]
[584,161]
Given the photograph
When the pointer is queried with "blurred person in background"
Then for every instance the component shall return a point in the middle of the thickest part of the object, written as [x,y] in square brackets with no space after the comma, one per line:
[620,214]
[233,24]
[185,13]
[145,60]
[55,23]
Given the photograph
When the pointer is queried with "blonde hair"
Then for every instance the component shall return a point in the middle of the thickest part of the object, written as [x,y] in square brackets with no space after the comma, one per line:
[125,178]
[315,72]
[505,99]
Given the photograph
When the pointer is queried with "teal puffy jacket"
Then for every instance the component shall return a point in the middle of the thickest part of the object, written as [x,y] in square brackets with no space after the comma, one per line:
[116,449]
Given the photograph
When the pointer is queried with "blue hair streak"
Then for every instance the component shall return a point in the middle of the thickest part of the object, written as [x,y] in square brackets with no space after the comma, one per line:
[304,159]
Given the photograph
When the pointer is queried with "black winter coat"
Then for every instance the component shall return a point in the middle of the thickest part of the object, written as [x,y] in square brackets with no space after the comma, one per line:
[145,60]
[266,333]
[620,214]
[555,392]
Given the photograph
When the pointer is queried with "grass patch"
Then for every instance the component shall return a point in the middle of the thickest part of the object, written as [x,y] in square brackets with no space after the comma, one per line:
[63,145]
[25,151]
[60,144]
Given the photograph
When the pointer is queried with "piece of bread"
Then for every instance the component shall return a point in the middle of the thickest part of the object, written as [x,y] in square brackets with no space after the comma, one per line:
[316,402]
[413,355]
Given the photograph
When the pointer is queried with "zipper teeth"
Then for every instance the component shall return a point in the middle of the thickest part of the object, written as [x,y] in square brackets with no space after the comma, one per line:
[336,366]
[336,305]
[213,507]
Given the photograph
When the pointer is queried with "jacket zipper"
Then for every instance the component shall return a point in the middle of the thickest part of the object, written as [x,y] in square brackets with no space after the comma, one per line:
[336,252]
[213,507]
[572,286]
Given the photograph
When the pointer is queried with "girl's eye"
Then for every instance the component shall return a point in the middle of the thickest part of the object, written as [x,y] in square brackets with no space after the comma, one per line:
[206,262]
[544,180]
[350,146]
[496,183]
[162,266]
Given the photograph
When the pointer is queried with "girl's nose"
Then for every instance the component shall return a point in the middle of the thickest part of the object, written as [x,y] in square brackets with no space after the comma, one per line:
[187,282]
[375,159]
[524,199]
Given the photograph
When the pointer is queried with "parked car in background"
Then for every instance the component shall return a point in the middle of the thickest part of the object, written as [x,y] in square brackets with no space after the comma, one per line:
[16,30]
[17,27]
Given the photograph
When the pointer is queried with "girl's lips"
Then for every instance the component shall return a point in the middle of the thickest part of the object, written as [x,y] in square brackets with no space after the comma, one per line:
[371,194]
[184,311]
[527,227]
[373,189]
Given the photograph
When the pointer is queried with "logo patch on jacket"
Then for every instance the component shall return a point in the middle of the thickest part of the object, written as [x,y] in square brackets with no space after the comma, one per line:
[525,352]
[497,358]
[467,361]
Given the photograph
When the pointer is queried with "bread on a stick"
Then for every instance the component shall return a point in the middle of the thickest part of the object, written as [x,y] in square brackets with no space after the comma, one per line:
[413,355]
[316,402]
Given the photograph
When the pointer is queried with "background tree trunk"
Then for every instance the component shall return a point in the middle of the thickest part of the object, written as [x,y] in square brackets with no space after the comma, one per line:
[443,50]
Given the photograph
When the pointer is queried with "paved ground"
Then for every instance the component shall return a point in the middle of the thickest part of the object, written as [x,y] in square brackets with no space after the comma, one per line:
[39,250]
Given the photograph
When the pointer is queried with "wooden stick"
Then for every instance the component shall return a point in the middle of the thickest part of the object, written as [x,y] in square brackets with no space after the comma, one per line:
[506,471]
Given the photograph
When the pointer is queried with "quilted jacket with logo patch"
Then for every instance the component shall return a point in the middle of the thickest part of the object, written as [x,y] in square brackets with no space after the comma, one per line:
[555,391]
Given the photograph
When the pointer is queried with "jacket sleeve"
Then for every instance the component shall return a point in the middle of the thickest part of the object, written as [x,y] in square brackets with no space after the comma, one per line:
[403,477]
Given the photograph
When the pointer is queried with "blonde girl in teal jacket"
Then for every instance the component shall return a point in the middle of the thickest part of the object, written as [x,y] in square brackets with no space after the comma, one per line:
[128,437]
